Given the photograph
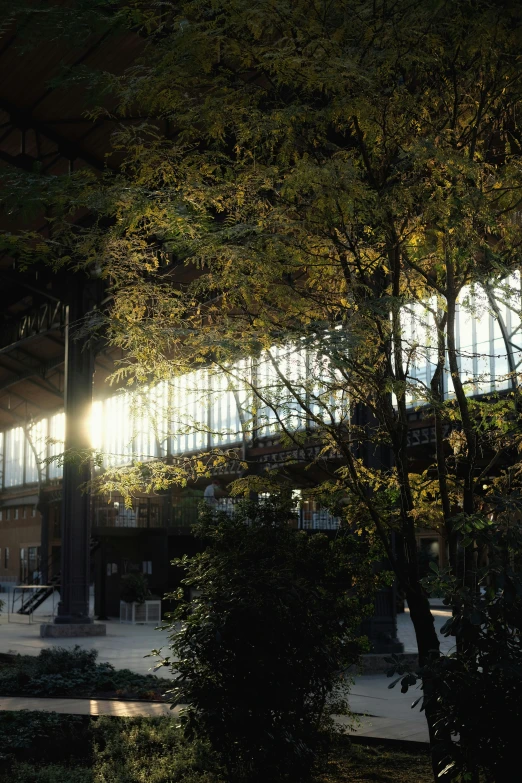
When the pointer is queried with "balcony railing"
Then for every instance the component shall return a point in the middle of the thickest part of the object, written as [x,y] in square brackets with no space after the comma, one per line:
[154,512]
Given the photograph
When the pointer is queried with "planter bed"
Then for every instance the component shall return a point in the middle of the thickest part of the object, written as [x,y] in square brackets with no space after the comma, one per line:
[75,674]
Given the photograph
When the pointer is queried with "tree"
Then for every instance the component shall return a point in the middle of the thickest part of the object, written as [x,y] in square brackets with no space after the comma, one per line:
[319,170]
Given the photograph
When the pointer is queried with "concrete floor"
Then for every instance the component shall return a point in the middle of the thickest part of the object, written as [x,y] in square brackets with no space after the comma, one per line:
[406,632]
[384,712]
[389,719]
[126,645]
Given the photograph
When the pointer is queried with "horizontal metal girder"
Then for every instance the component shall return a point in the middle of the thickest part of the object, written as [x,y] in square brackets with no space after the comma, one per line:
[70,150]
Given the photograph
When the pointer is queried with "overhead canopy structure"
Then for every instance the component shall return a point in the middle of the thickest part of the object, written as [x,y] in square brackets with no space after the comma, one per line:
[43,128]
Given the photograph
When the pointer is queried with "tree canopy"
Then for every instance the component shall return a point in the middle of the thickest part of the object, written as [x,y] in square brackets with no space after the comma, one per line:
[297,175]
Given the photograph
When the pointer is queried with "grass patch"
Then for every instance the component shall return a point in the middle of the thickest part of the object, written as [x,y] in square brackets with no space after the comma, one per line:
[358,763]
[42,747]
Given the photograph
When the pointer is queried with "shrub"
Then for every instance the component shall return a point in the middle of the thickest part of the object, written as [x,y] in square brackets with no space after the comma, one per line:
[262,649]
[134,588]
[112,750]
[63,672]
[59,660]
[41,735]
[52,773]
[150,749]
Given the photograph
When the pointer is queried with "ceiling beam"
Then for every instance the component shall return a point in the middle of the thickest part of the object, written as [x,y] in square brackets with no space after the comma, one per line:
[24,401]
[25,162]
[17,419]
[37,370]
[20,282]
[70,150]
[47,386]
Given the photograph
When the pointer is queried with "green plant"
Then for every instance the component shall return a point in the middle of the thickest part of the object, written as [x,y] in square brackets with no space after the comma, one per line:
[59,660]
[476,698]
[52,773]
[41,735]
[150,749]
[132,750]
[134,588]
[63,672]
[262,650]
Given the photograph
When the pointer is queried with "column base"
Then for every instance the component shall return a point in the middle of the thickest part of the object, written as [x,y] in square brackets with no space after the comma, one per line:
[70,619]
[375,663]
[69,630]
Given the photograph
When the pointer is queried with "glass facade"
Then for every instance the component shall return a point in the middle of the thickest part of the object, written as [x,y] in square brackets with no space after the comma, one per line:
[296,388]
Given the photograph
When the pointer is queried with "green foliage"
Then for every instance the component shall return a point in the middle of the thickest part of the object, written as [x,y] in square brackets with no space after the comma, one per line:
[326,166]
[42,735]
[262,650]
[62,672]
[134,588]
[49,748]
[477,687]
[140,749]
[133,750]
[60,660]
[52,773]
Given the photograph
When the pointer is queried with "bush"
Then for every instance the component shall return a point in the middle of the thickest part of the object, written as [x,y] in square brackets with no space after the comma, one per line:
[59,660]
[112,750]
[262,649]
[53,773]
[134,589]
[63,672]
[134,750]
[42,735]
[139,749]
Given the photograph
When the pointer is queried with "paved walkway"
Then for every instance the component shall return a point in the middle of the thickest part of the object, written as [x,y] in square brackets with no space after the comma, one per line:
[376,726]
[120,709]
[389,713]
[125,646]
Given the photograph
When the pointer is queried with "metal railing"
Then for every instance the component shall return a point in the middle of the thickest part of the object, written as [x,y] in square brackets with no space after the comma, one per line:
[26,599]
[48,317]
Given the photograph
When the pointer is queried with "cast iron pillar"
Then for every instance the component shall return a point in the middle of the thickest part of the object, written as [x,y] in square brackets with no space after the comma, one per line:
[79,368]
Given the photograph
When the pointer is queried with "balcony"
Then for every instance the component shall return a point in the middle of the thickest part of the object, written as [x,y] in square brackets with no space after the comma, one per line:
[156,512]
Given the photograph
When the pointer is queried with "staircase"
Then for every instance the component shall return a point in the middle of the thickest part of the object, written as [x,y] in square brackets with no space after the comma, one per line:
[36,598]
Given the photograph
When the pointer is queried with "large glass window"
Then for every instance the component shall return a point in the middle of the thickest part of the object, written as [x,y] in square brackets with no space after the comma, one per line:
[56,445]
[36,452]
[14,457]
[212,408]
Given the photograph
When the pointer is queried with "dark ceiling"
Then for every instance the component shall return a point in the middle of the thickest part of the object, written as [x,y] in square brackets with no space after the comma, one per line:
[43,126]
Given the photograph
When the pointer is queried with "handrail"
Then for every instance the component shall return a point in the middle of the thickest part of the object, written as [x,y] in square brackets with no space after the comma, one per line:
[25,603]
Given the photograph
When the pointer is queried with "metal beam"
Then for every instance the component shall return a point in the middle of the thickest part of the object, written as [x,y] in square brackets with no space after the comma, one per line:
[40,292]
[47,386]
[29,375]
[36,323]
[25,401]
[15,416]
[30,362]
[70,150]
[74,590]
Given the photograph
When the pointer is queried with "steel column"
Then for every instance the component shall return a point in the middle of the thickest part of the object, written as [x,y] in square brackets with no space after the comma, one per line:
[79,369]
